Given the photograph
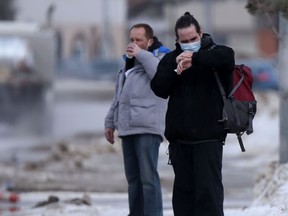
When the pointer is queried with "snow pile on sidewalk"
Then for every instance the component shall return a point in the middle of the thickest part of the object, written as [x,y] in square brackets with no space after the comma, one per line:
[271,193]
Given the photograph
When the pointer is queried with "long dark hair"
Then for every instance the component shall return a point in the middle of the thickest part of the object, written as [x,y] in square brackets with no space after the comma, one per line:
[185,21]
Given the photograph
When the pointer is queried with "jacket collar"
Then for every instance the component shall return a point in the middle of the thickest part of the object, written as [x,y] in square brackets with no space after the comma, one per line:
[206,41]
[156,44]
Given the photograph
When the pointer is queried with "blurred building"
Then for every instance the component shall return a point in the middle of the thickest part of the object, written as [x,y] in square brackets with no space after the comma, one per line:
[86,29]
[227,20]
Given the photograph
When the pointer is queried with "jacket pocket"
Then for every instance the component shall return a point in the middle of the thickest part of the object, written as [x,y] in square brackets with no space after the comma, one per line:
[142,113]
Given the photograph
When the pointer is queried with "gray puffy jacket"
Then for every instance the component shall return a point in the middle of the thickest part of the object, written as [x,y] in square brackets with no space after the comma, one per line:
[135,109]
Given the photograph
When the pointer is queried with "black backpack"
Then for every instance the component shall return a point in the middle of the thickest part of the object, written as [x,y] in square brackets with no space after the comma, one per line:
[240,104]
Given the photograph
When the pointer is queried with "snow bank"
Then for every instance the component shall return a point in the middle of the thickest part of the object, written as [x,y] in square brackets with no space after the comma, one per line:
[271,193]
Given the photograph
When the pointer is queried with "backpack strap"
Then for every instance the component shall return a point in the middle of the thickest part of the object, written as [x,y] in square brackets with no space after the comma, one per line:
[235,109]
[251,116]
[223,93]
[240,142]
[235,87]
[239,82]
[224,98]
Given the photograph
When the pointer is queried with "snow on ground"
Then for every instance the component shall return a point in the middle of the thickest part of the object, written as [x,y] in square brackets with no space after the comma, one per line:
[271,200]
[271,184]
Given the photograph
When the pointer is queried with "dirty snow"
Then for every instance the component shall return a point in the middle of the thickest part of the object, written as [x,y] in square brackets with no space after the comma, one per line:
[270,189]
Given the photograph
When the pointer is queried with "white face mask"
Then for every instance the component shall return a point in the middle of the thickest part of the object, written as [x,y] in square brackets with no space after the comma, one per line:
[193,47]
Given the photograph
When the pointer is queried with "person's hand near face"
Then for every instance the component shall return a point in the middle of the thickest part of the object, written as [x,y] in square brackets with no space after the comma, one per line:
[132,49]
[138,41]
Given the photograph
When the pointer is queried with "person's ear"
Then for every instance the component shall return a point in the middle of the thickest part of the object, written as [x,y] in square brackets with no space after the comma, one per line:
[177,40]
[150,42]
[201,34]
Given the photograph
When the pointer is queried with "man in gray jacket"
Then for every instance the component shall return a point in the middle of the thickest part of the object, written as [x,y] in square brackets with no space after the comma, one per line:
[138,116]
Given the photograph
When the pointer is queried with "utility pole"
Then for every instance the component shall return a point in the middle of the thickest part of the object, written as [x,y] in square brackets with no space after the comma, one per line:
[283,94]
[105,27]
[208,17]
[265,7]
[49,15]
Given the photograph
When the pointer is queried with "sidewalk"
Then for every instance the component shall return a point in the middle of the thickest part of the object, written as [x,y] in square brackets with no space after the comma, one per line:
[271,190]
[271,200]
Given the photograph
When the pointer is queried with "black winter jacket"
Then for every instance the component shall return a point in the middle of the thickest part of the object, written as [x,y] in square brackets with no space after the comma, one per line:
[195,103]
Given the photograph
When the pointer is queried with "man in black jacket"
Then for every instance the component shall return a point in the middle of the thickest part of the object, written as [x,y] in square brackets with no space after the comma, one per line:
[196,137]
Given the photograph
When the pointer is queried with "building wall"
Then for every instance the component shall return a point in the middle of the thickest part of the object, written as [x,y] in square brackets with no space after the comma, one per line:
[228,20]
[73,11]
[267,43]
[94,21]
[103,24]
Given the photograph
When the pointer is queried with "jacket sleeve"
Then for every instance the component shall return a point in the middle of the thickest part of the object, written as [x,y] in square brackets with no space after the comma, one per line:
[148,61]
[165,77]
[220,58]
[109,119]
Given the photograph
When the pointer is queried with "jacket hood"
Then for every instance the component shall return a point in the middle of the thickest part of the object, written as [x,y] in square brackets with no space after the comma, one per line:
[206,41]
[156,44]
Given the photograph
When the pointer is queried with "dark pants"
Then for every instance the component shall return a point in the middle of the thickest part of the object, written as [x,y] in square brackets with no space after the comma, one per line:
[198,188]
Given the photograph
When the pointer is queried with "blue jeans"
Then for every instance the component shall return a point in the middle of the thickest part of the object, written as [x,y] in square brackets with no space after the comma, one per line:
[140,154]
